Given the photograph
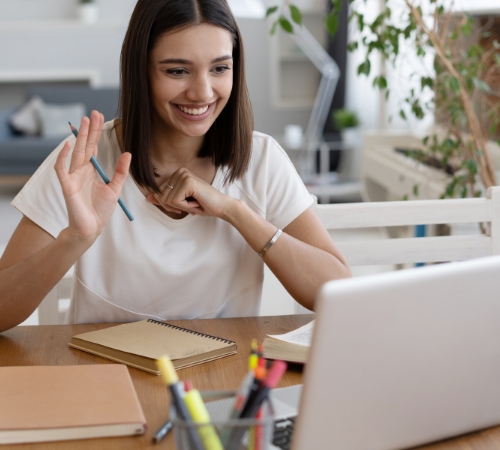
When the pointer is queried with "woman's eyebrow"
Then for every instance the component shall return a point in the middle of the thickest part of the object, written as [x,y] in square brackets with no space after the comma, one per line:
[186,61]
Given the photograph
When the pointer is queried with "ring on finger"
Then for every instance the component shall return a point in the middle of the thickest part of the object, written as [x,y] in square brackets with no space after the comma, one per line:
[171,187]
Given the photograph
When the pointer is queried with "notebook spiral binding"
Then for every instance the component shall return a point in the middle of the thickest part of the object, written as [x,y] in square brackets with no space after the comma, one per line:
[226,341]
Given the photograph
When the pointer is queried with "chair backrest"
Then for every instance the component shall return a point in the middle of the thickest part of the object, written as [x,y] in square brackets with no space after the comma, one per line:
[415,212]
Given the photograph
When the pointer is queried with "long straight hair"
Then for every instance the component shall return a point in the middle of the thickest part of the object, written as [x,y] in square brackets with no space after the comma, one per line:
[228,142]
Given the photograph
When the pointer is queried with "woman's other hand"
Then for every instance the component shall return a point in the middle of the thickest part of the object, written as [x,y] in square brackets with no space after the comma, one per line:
[185,192]
[89,201]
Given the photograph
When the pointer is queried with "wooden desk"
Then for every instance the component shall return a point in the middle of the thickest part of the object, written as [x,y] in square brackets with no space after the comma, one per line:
[48,345]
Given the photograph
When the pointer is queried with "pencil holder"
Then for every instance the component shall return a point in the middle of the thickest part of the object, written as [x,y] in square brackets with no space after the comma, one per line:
[221,433]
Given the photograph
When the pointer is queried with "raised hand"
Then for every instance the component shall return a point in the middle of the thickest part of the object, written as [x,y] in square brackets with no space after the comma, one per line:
[89,201]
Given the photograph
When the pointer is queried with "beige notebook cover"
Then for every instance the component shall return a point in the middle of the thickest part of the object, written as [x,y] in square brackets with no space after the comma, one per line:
[52,403]
[140,344]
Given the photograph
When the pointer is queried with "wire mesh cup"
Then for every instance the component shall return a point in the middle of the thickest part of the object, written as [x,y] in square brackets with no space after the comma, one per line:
[236,434]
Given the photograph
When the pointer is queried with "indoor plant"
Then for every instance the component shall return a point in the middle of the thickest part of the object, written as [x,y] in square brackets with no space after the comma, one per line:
[466,70]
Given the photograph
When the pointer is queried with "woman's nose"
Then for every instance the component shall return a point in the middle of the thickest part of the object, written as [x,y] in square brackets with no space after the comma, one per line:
[200,90]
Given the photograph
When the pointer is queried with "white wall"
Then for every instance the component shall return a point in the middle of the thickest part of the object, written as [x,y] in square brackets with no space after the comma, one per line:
[361,96]
[60,9]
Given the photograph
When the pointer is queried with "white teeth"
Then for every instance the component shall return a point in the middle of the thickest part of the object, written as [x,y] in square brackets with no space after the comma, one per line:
[194,112]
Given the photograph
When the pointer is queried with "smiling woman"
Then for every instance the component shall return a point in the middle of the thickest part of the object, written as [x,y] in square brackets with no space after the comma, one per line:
[210,195]
[206,69]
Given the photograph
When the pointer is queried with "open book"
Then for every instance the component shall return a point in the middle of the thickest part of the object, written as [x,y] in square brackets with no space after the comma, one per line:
[140,344]
[292,346]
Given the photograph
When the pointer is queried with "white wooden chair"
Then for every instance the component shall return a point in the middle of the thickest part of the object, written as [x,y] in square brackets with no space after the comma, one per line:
[415,212]
[380,251]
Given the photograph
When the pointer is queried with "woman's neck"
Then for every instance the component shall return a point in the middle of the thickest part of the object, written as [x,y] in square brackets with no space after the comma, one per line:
[170,153]
[171,150]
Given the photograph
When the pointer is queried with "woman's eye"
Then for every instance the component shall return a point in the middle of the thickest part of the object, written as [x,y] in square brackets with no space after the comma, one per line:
[221,69]
[176,71]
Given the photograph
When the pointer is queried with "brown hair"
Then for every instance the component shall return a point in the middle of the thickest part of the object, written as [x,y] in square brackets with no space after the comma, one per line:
[228,141]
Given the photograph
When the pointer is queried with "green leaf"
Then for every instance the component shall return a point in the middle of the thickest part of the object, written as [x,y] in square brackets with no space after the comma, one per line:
[337,5]
[455,85]
[296,14]
[332,23]
[402,114]
[481,85]
[427,81]
[352,46]
[471,166]
[415,190]
[364,67]
[405,197]
[273,28]
[271,10]
[285,24]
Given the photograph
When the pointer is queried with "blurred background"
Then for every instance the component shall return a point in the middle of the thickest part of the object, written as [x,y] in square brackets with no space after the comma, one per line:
[59,59]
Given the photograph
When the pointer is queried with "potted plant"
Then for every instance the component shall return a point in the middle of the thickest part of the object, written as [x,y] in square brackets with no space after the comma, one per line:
[347,122]
[88,11]
[464,83]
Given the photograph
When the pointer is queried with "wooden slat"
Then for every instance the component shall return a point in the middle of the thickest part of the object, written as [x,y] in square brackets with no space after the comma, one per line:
[415,212]
[415,250]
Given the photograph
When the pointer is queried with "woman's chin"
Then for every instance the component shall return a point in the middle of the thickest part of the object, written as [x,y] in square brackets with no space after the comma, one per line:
[194,131]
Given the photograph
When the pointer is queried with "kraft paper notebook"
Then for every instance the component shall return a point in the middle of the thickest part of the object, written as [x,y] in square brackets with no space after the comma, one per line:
[55,403]
[139,344]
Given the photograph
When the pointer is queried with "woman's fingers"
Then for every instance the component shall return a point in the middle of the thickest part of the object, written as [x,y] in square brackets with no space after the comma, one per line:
[151,198]
[60,165]
[99,136]
[95,129]
[78,156]
[121,173]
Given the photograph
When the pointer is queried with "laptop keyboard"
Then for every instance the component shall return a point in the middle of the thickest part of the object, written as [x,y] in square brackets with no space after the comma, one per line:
[283,430]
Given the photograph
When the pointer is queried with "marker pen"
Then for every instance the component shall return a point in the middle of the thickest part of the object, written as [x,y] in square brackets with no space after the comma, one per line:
[169,376]
[200,414]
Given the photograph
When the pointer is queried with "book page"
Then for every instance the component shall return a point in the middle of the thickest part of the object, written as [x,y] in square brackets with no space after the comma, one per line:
[300,336]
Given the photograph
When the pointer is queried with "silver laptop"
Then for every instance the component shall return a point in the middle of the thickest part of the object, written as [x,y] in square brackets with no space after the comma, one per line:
[402,359]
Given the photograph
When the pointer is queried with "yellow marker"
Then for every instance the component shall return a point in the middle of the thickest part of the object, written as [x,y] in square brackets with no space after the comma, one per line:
[170,378]
[168,373]
[200,414]
[253,359]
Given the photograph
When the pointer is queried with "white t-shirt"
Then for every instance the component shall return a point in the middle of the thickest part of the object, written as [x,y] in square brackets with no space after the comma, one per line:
[161,268]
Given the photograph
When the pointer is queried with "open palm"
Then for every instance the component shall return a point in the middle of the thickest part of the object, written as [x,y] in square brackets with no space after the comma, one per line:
[89,201]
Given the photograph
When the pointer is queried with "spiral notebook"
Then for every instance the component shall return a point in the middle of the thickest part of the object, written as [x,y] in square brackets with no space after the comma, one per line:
[139,344]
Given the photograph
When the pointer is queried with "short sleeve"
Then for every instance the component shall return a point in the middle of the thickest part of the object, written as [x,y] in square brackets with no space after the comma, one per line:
[42,200]
[286,196]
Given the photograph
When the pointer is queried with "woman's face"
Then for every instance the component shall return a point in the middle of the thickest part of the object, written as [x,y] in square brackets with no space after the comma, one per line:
[191,77]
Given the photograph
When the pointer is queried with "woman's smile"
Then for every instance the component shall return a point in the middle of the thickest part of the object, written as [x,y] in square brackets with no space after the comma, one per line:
[195,112]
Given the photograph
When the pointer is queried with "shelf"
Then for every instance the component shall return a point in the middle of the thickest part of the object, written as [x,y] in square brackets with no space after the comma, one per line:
[37,26]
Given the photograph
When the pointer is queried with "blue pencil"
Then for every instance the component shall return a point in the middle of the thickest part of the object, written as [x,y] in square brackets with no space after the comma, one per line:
[104,176]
